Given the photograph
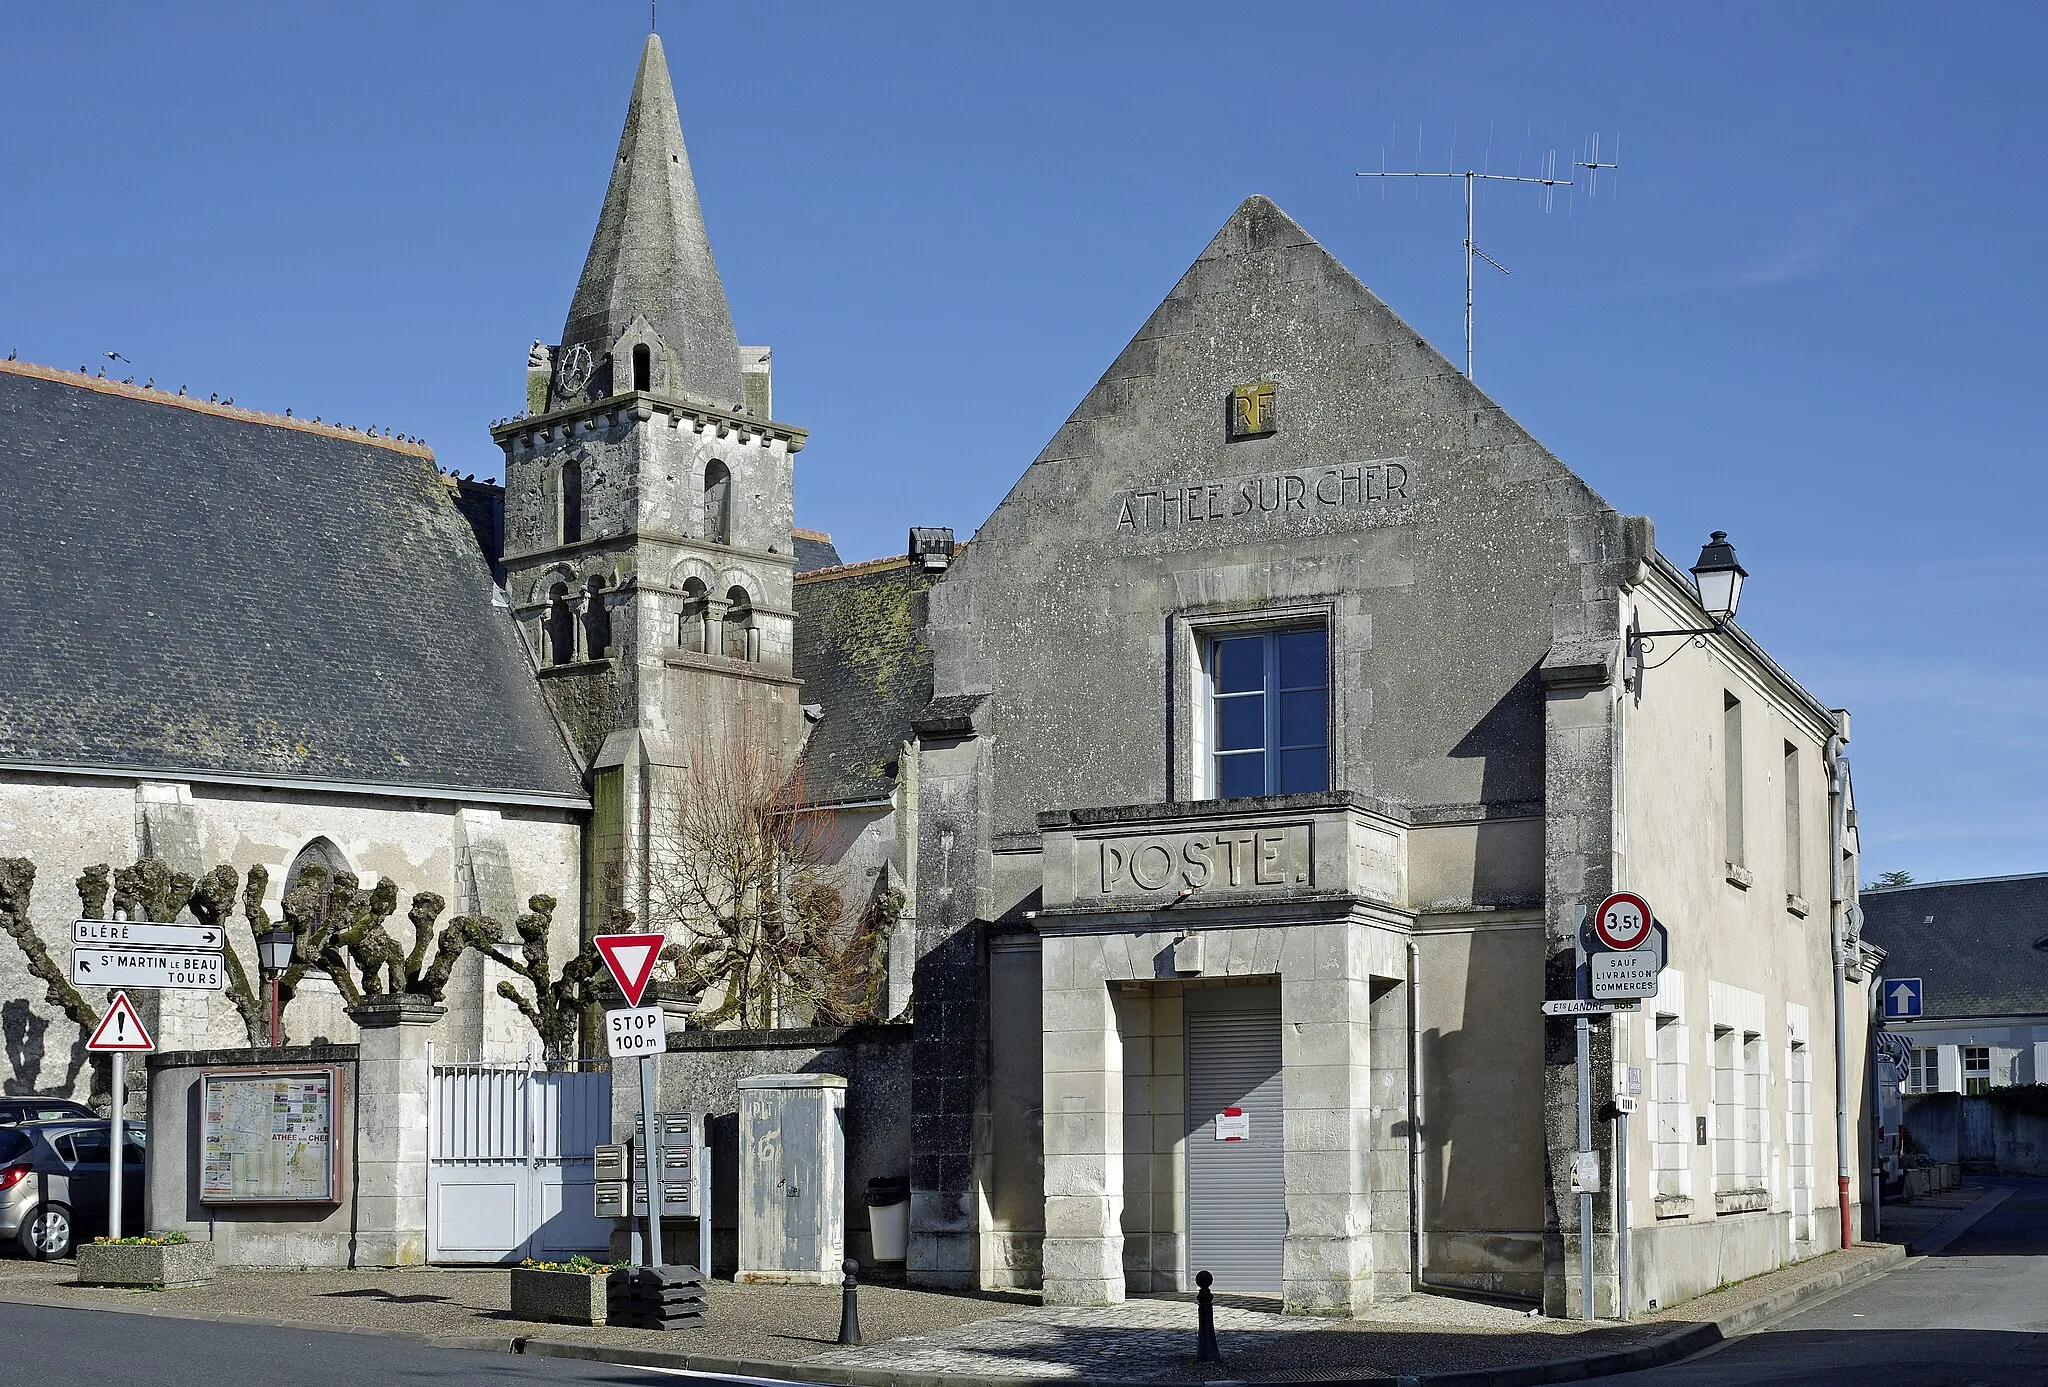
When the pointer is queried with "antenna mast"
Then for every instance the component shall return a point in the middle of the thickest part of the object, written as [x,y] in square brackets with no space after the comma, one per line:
[1547,180]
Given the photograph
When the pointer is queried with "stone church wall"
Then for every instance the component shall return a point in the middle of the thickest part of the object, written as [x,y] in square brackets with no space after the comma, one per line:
[486,860]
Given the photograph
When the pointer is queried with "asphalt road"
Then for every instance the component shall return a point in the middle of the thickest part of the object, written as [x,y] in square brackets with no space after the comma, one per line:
[1974,1313]
[39,1345]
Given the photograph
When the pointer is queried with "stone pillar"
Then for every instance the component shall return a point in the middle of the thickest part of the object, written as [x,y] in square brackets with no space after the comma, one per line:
[391,1151]
[1084,1127]
[1326,1053]
[1581,753]
[948,1056]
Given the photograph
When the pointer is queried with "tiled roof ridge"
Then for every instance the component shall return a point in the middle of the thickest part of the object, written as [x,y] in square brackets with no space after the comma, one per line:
[152,395]
[852,570]
[819,535]
[886,562]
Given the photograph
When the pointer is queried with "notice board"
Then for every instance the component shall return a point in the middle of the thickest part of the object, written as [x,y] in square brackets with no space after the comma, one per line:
[270,1136]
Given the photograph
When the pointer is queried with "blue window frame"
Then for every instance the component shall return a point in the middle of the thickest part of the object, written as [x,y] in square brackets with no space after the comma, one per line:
[1270,713]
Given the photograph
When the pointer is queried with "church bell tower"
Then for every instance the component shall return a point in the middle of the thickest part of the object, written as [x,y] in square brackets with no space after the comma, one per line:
[649,504]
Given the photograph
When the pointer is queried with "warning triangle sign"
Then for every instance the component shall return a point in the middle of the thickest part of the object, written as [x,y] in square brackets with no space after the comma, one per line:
[631,958]
[121,1029]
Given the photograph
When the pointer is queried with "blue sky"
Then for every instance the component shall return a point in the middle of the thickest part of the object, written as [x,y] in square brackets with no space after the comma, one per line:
[1812,317]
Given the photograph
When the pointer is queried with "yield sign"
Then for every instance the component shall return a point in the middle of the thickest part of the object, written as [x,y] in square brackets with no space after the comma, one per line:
[121,1029]
[631,958]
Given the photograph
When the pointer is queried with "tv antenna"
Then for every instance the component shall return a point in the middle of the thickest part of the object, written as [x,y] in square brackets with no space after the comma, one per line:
[1545,178]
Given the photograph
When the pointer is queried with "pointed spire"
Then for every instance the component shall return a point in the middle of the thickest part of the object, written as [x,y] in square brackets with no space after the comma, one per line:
[651,260]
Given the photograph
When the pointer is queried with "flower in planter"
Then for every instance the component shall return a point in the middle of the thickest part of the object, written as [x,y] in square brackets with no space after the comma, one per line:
[162,1240]
[578,1263]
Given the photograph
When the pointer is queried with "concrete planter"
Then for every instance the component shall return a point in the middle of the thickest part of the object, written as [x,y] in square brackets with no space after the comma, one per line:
[159,1265]
[557,1297]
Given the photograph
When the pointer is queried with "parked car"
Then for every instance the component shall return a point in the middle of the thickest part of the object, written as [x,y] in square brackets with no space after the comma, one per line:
[53,1183]
[15,1110]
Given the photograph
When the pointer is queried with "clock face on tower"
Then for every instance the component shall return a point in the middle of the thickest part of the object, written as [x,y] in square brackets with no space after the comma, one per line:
[574,373]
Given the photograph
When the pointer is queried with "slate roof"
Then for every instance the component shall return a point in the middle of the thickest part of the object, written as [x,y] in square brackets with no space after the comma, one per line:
[1984,954]
[861,652]
[814,550]
[189,588]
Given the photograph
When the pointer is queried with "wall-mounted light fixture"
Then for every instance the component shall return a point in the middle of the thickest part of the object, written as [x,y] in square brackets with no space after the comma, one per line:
[1717,580]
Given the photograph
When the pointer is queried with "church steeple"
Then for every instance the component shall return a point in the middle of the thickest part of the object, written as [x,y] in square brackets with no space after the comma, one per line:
[650,310]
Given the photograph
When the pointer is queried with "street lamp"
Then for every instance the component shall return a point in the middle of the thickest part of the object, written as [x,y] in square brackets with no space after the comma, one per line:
[1717,582]
[273,956]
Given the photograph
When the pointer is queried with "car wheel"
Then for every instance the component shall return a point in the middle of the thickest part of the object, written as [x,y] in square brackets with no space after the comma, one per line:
[46,1233]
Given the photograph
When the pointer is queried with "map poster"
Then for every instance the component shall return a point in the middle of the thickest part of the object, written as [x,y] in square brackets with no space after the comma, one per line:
[268,1136]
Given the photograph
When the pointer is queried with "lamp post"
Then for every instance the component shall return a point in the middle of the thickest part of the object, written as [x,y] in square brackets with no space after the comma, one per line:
[1717,582]
[273,956]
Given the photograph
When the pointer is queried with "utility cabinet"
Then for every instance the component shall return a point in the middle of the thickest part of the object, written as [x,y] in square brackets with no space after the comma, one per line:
[792,1178]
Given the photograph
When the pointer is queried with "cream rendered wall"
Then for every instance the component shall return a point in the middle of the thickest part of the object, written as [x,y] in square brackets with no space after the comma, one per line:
[65,824]
[1481,990]
[1728,940]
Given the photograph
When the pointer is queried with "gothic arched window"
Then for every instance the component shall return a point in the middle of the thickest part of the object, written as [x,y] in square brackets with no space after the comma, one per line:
[560,624]
[597,620]
[572,501]
[718,504]
[643,368]
[320,853]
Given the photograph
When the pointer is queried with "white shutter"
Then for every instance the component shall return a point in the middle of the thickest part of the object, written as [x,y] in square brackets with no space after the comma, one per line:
[2040,1062]
[1950,1060]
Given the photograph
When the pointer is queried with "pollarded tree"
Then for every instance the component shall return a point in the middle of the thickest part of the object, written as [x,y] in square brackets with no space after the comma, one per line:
[559,1001]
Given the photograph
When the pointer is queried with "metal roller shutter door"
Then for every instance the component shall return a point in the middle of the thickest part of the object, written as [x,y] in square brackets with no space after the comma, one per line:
[1236,1193]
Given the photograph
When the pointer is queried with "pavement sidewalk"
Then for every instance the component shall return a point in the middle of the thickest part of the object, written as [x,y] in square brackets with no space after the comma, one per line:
[922,1338]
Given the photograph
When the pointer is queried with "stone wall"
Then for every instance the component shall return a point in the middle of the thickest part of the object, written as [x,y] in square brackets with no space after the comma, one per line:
[1978,1132]
[477,857]
[259,1235]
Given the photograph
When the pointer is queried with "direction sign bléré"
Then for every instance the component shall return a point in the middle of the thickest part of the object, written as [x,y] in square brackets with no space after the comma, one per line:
[137,934]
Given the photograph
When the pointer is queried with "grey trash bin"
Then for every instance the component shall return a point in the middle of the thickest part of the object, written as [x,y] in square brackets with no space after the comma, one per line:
[888,1201]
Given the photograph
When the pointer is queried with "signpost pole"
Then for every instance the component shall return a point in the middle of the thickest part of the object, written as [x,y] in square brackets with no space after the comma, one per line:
[116,1166]
[1620,1201]
[1584,1026]
[647,1145]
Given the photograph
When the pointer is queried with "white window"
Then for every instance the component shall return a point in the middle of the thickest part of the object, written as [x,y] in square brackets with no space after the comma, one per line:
[1756,1120]
[1976,1069]
[1269,712]
[1673,1133]
[1727,1110]
[1799,1139]
[1925,1075]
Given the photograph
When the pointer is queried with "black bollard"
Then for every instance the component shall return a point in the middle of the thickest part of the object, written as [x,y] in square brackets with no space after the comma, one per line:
[849,1305]
[1205,1321]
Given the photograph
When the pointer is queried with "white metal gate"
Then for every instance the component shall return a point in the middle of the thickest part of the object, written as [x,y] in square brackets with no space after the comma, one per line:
[509,1159]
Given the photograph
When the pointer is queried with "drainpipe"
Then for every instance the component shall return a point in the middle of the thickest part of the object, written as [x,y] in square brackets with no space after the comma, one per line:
[1838,833]
[1415,1248]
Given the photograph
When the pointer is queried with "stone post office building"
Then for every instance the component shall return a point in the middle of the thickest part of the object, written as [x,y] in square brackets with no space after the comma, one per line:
[1243,775]
[1281,723]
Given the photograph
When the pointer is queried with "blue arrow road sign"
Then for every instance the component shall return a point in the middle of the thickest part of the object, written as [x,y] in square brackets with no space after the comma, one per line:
[1901,999]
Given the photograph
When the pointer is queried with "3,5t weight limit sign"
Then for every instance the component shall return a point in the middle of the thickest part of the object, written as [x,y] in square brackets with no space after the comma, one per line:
[1622,922]
[634,1031]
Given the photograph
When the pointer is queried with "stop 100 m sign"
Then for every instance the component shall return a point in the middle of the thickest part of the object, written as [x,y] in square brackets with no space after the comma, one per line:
[634,1031]
[1623,922]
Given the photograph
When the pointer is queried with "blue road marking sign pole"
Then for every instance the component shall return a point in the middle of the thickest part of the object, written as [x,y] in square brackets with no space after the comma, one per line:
[1902,999]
